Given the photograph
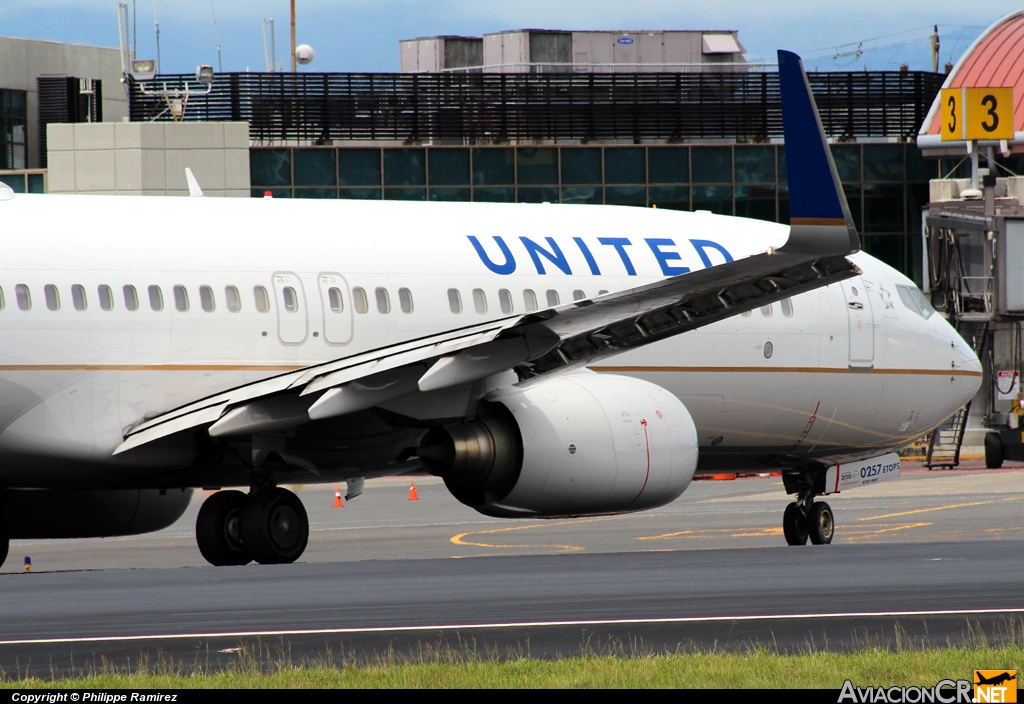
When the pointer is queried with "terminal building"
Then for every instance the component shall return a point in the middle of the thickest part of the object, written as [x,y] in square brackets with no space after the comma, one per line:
[673,119]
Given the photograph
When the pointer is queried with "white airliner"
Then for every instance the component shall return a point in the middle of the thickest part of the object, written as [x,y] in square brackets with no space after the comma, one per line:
[545,360]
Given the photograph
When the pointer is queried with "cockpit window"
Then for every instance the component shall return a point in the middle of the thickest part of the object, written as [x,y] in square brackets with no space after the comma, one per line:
[915,300]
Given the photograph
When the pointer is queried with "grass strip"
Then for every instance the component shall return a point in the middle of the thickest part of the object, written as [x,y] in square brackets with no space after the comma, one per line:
[754,669]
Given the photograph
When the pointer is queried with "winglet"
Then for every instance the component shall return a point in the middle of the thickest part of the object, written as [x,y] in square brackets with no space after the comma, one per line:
[193,186]
[820,220]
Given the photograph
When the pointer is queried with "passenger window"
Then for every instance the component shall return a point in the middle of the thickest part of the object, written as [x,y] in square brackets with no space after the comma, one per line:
[578,295]
[156,298]
[787,307]
[766,311]
[505,300]
[261,298]
[291,299]
[745,314]
[359,300]
[131,297]
[335,299]
[51,296]
[180,298]
[206,301]
[2,304]
[21,292]
[232,299]
[602,292]
[454,300]
[529,300]
[383,300]
[405,300]
[78,297]
[106,297]
[480,300]
[553,299]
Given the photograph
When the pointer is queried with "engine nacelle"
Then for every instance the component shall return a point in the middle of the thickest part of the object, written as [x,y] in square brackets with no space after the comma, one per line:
[575,445]
[43,513]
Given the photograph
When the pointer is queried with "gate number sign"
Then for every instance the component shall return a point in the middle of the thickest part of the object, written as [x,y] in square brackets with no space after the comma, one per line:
[976,114]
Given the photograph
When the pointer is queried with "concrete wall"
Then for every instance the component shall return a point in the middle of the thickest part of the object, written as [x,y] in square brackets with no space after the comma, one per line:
[22,60]
[149,158]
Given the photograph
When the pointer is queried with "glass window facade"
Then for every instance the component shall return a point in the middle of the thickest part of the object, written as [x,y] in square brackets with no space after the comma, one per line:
[885,184]
[13,140]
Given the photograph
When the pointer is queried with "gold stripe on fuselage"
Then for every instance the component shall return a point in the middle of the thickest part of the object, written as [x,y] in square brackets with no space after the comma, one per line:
[785,370]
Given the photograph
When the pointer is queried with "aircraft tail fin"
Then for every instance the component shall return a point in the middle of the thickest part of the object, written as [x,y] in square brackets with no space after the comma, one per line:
[819,215]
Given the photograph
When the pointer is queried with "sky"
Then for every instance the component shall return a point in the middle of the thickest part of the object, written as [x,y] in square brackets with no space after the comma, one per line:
[363,35]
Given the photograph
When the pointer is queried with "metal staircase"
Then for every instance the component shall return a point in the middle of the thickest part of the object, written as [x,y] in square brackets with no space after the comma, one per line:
[945,441]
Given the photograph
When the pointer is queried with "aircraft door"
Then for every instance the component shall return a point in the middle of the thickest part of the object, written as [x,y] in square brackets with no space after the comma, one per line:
[336,301]
[862,324]
[292,318]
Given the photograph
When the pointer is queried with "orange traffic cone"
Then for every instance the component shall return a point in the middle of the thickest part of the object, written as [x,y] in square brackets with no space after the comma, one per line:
[413,496]
[338,503]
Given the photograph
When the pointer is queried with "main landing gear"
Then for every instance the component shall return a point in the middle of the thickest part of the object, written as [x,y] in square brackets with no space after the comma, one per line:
[268,525]
[806,518]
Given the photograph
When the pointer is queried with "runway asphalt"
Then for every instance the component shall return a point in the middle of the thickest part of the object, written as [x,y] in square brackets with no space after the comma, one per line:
[932,557]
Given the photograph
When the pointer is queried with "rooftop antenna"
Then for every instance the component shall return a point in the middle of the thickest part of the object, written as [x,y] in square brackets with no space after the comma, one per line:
[156,28]
[293,37]
[270,58]
[216,34]
[135,32]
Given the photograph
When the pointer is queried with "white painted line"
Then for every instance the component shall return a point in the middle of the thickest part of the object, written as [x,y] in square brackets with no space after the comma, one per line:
[512,624]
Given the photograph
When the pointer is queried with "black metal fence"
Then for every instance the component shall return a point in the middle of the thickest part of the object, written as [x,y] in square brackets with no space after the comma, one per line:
[487,108]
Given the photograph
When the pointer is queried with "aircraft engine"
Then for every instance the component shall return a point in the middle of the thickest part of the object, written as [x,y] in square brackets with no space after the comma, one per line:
[37,514]
[575,445]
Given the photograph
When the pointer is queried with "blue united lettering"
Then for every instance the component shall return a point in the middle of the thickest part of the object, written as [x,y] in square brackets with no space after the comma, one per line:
[548,255]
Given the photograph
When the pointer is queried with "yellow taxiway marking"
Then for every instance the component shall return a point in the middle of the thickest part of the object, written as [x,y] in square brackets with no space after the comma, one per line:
[1004,530]
[460,538]
[855,534]
[939,508]
[716,533]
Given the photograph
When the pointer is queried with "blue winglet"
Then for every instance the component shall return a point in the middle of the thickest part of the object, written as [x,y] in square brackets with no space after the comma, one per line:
[819,215]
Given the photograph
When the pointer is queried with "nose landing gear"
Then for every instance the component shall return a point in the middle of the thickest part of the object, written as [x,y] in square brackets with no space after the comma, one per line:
[269,525]
[806,518]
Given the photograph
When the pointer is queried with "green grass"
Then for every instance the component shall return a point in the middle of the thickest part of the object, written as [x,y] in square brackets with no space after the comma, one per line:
[899,662]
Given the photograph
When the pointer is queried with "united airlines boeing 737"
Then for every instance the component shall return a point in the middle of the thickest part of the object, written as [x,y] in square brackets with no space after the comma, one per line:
[545,360]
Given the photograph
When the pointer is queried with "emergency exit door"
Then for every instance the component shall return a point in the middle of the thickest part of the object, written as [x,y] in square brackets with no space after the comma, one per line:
[337,306]
[292,316]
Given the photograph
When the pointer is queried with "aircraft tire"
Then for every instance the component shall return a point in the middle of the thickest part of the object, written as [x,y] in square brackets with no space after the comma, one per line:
[821,524]
[218,529]
[794,525]
[5,542]
[275,528]
[993,451]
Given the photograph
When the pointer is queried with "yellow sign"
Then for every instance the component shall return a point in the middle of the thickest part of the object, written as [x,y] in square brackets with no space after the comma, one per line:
[989,113]
[995,686]
[951,113]
[976,114]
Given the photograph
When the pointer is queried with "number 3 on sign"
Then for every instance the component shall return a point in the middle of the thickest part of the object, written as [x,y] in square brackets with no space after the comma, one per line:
[989,113]
[951,114]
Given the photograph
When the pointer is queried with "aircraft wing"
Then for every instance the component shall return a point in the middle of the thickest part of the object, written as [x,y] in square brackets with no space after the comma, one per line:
[822,234]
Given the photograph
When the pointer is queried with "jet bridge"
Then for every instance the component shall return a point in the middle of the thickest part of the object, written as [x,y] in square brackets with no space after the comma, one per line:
[974,273]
